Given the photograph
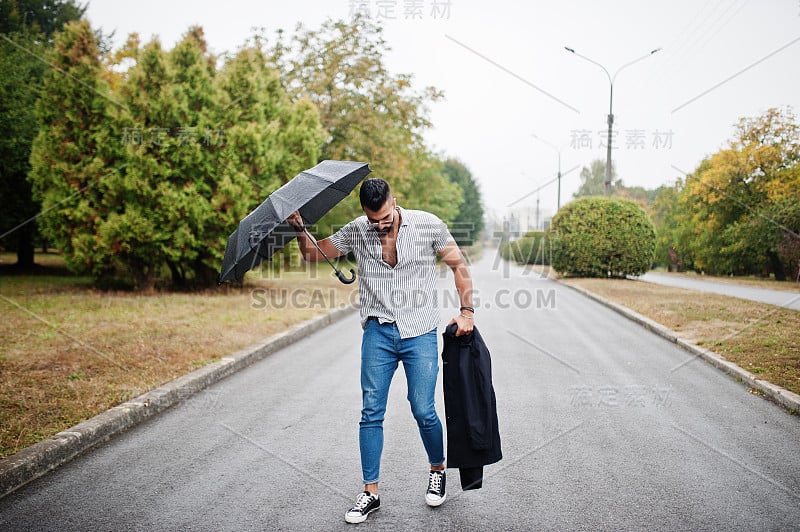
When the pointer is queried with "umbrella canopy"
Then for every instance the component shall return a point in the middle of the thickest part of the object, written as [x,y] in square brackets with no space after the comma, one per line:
[264,231]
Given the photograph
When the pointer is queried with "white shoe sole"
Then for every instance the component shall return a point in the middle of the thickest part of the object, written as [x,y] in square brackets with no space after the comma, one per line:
[437,502]
[355,519]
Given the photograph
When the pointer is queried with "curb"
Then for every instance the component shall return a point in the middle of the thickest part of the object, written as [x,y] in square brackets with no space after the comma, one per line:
[782,396]
[40,458]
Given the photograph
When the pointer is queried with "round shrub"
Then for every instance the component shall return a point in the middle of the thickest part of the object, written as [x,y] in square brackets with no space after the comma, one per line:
[602,237]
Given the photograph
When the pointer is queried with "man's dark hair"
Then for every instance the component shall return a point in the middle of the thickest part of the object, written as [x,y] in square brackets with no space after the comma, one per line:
[374,193]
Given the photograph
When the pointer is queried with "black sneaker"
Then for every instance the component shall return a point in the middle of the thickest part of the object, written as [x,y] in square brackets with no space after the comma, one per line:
[436,494]
[366,503]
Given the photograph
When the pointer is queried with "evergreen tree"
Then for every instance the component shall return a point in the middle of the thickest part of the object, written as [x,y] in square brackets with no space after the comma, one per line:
[40,16]
[468,223]
[187,152]
[593,180]
[26,30]
[74,151]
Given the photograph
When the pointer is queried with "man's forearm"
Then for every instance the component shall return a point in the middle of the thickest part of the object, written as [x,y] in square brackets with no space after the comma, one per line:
[307,248]
[465,318]
[453,257]
[311,249]
[463,281]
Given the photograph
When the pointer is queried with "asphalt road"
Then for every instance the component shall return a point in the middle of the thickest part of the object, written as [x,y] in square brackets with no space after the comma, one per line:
[763,295]
[604,426]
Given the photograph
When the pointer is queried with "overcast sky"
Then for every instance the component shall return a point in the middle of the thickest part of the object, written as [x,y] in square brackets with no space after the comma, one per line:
[506,75]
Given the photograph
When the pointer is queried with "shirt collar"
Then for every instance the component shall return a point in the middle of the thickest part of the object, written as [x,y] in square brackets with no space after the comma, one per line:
[403,216]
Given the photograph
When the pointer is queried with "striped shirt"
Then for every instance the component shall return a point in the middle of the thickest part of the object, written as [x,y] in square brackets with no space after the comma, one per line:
[404,294]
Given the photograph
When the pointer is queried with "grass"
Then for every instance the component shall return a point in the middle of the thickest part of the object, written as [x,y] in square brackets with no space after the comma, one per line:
[756,282]
[70,351]
[760,338]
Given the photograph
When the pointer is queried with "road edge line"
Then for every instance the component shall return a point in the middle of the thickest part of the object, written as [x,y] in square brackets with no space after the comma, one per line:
[40,458]
[783,397]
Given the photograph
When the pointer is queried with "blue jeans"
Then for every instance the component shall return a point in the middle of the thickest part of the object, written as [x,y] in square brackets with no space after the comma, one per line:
[381,350]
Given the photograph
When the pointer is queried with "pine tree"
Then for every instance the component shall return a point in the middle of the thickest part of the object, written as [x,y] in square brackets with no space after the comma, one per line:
[74,152]
[162,169]
[468,223]
[26,32]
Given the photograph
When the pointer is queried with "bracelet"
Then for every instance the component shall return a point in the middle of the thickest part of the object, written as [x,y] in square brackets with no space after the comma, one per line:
[465,316]
[468,308]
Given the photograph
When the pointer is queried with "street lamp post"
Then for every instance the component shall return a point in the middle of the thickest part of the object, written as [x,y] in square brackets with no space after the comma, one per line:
[610,105]
[558,150]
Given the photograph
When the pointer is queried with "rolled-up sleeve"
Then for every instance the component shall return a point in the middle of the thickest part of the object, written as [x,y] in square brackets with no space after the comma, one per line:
[440,234]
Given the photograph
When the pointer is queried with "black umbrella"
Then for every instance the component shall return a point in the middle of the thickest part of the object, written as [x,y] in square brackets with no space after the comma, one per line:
[264,231]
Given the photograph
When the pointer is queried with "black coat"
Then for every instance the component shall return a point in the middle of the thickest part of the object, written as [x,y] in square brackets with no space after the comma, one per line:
[473,437]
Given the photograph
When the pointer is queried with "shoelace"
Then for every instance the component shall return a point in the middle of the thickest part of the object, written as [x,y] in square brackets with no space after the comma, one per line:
[435,482]
[363,501]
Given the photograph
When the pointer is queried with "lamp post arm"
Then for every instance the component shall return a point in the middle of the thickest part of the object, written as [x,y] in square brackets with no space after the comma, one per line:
[630,63]
[534,135]
[610,79]
[626,65]
[610,105]
[591,61]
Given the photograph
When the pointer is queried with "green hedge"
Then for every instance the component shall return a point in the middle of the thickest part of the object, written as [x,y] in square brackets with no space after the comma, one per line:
[533,248]
[602,237]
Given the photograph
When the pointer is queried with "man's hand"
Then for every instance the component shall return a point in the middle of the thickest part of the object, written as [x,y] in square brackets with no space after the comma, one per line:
[305,241]
[296,221]
[464,322]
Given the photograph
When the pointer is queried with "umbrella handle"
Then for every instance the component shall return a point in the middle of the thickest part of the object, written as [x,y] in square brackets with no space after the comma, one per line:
[344,279]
